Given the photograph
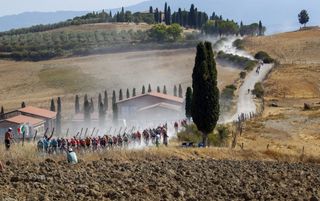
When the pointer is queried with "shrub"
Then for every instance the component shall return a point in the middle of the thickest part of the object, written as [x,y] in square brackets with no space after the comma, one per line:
[241,62]
[264,57]
[243,74]
[258,90]
[228,92]
[238,44]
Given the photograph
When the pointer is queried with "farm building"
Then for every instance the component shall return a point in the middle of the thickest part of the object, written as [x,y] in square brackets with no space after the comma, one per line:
[37,119]
[152,106]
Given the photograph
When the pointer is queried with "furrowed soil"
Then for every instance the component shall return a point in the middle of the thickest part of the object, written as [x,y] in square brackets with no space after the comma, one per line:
[160,179]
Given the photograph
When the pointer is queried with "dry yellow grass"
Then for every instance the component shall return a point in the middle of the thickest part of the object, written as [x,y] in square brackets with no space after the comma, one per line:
[29,153]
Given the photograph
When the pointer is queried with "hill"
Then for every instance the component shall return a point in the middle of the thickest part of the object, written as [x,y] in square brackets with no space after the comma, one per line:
[245,10]
[286,124]
[28,19]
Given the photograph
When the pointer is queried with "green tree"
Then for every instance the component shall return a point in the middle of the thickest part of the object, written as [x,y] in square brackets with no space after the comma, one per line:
[133,92]
[188,103]
[120,95]
[114,107]
[1,113]
[164,89]
[87,111]
[59,116]
[105,101]
[158,89]
[175,90]
[128,94]
[77,105]
[303,17]
[174,31]
[91,106]
[205,99]
[99,101]
[23,104]
[143,90]
[149,88]
[180,91]
[52,106]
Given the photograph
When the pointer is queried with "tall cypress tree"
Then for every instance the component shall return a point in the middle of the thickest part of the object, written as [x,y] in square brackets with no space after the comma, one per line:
[99,101]
[134,92]
[188,103]
[1,112]
[114,107]
[102,114]
[91,106]
[205,99]
[86,111]
[143,90]
[165,12]
[52,106]
[149,88]
[164,89]
[260,28]
[23,104]
[105,101]
[175,90]
[77,105]
[128,94]
[150,9]
[120,95]
[59,116]
[180,91]
[158,89]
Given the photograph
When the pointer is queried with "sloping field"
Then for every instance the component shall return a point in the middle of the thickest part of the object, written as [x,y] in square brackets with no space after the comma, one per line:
[37,82]
[295,81]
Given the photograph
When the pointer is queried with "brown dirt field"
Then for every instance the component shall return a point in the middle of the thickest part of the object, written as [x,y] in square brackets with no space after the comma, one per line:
[37,82]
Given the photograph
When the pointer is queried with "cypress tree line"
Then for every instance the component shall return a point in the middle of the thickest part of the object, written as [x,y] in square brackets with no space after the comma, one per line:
[164,89]
[52,106]
[158,89]
[149,88]
[143,90]
[91,106]
[105,101]
[188,103]
[23,104]
[77,105]
[114,107]
[86,110]
[59,116]
[180,91]
[128,94]
[133,92]
[205,98]
[175,91]
[120,95]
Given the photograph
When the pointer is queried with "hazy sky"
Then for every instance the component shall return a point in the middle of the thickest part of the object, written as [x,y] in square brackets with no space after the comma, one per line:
[9,7]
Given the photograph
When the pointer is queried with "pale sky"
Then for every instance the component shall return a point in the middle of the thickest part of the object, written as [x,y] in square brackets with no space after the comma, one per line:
[9,7]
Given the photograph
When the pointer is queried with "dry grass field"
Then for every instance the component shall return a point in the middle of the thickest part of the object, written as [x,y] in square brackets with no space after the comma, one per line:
[37,82]
[295,81]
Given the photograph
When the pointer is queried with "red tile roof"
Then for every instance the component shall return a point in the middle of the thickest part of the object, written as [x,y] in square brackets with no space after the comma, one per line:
[158,95]
[21,119]
[38,112]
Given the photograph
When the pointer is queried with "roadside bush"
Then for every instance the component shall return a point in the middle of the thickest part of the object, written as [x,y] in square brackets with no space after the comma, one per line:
[258,90]
[241,62]
[238,44]
[228,92]
[192,134]
[264,57]
[243,74]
